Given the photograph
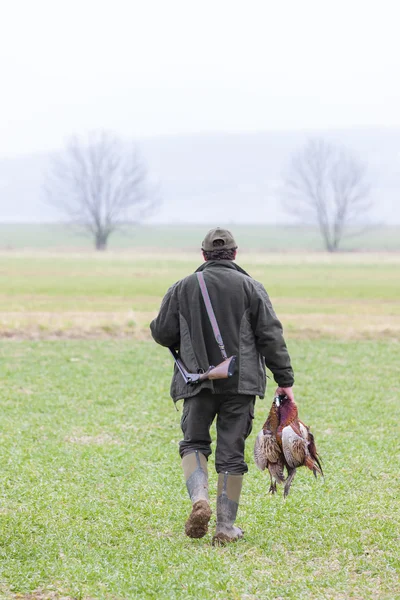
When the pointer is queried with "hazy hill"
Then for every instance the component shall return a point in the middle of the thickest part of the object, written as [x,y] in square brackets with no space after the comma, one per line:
[218,177]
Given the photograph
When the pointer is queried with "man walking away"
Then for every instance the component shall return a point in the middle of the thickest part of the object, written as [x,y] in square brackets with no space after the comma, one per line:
[251,331]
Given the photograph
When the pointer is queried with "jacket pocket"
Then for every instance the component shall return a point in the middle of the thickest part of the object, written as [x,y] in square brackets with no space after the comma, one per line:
[186,347]
[185,412]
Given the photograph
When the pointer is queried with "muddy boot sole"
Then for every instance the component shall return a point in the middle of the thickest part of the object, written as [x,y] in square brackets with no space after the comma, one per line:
[197,524]
[221,539]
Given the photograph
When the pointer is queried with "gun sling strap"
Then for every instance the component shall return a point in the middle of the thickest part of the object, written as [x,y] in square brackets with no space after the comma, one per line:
[211,314]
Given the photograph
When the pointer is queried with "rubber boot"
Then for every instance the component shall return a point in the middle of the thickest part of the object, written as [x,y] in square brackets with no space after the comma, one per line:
[229,488]
[196,474]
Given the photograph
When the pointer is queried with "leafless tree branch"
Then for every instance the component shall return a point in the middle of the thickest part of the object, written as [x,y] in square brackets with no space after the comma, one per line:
[100,184]
[326,185]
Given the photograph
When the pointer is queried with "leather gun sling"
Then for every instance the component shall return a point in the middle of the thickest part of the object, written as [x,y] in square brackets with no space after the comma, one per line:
[211,314]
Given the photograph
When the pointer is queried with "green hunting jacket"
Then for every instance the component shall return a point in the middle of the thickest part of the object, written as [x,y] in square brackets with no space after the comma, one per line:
[248,324]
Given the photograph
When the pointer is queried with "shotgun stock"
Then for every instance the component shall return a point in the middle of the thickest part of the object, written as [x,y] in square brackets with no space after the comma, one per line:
[221,371]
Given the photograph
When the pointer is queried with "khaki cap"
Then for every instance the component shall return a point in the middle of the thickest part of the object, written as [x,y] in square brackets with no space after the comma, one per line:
[218,234]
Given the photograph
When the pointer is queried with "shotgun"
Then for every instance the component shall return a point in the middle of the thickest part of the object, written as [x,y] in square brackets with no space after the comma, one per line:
[221,371]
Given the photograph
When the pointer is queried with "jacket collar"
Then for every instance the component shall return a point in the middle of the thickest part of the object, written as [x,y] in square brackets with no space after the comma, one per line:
[225,264]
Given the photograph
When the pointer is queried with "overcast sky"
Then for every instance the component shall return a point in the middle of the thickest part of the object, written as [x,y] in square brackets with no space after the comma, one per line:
[151,67]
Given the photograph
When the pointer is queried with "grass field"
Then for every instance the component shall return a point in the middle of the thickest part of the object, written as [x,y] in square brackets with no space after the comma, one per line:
[70,295]
[92,499]
[255,238]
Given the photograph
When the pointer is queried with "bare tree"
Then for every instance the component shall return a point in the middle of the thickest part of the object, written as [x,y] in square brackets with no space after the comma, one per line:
[326,185]
[100,184]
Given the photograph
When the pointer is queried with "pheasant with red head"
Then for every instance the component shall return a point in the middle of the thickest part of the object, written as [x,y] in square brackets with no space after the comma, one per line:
[285,442]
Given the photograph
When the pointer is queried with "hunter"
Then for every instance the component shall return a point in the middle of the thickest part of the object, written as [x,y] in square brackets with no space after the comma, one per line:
[250,330]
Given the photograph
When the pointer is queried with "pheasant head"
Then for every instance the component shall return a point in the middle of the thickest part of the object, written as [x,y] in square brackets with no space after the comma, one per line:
[272,423]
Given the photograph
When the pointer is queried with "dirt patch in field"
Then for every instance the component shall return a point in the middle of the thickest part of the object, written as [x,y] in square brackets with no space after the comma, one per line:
[357,321]
[306,333]
[75,325]
[70,334]
[342,326]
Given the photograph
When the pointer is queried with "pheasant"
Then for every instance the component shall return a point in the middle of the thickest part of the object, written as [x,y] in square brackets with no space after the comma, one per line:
[285,442]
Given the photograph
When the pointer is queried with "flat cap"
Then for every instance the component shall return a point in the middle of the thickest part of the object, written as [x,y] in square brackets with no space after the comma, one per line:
[218,239]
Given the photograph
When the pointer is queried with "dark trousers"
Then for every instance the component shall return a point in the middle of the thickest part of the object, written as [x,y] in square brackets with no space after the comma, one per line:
[235,416]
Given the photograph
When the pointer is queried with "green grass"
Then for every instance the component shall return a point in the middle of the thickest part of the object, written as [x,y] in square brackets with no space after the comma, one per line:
[93,502]
[259,238]
[63,280]
[116,293]
[92,499]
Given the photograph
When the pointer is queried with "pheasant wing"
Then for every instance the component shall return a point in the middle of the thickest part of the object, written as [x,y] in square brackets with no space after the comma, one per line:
[266,450]
[276,469]
[294,447]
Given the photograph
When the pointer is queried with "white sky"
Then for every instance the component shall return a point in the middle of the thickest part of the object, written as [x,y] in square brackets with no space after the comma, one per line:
[151,67]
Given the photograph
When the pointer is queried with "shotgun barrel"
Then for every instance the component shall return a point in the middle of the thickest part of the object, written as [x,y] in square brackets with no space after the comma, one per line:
[190,378]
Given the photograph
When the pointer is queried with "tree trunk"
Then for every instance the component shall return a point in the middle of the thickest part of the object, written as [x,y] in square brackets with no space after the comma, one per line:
[101,241]
[335,246]
[327,239]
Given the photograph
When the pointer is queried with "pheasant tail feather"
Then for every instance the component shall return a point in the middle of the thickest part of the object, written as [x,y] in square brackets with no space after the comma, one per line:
[314,465]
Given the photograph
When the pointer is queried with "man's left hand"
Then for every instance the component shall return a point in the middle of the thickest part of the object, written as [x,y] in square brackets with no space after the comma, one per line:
[281,391]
